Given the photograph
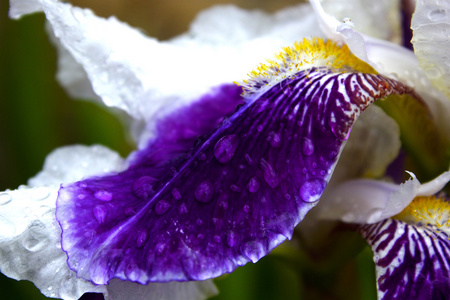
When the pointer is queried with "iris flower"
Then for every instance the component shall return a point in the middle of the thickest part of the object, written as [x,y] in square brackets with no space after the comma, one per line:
[224,172]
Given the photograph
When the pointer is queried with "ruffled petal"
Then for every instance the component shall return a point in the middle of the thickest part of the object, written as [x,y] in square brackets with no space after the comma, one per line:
[130,71]
[231,199]
[412,262]
[30,236]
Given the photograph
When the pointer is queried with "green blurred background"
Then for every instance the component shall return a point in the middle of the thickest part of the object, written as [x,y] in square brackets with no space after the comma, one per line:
[37,117]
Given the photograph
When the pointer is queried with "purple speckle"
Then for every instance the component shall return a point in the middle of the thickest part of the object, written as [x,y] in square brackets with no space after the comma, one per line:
[246,208]
[312,189]
[308,147]
[103,195]
[143,187]
[100,212]
[225,148]
[160,248]
[253,185]
[199,222]
[270,176]
[204,191]
[217,238]
[162,207]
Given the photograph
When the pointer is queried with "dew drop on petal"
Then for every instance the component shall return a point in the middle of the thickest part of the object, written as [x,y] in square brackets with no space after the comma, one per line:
[199,222]
[5,198]
[307,147]
[270,176]
[225,148]
[162,207]
[103,195]
[34,240]
[100,212]
[143,187]
[253,251]
[246,208]
[253,185]
[200,236]
[312,189]
[40,194]
[204,191]
[176,194]
[141,237]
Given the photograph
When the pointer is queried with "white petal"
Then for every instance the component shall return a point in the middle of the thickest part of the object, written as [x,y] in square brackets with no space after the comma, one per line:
[434,186]
[367,14]
[30,244]
[431,40]
[371,201]
[142,76]
[366,201]
[195,290]
[73,163]
[30,237]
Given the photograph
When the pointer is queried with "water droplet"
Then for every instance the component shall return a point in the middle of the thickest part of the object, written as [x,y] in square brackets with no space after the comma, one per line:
[183,208]
[287,196]
[274,139]
[246,208]
[176,194]
[5,198]
[199,222]
[35,239]
[253,251]
[81,196]
[231,239]
[312,189]
[438,14]
[259,128]
[40,194]
[141,237]
[253,185]
[143,187]
[103,195]
[235,188]
[162,207]
[225,148]
[270,176]
[100,212]
[204,191]
[308,147]
[200,236]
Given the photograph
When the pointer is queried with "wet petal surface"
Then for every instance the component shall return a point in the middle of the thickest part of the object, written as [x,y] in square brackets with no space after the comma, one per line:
[181,213]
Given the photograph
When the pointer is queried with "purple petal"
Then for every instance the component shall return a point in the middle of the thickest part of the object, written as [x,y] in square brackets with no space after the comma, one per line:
[181,213]
[412,261]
